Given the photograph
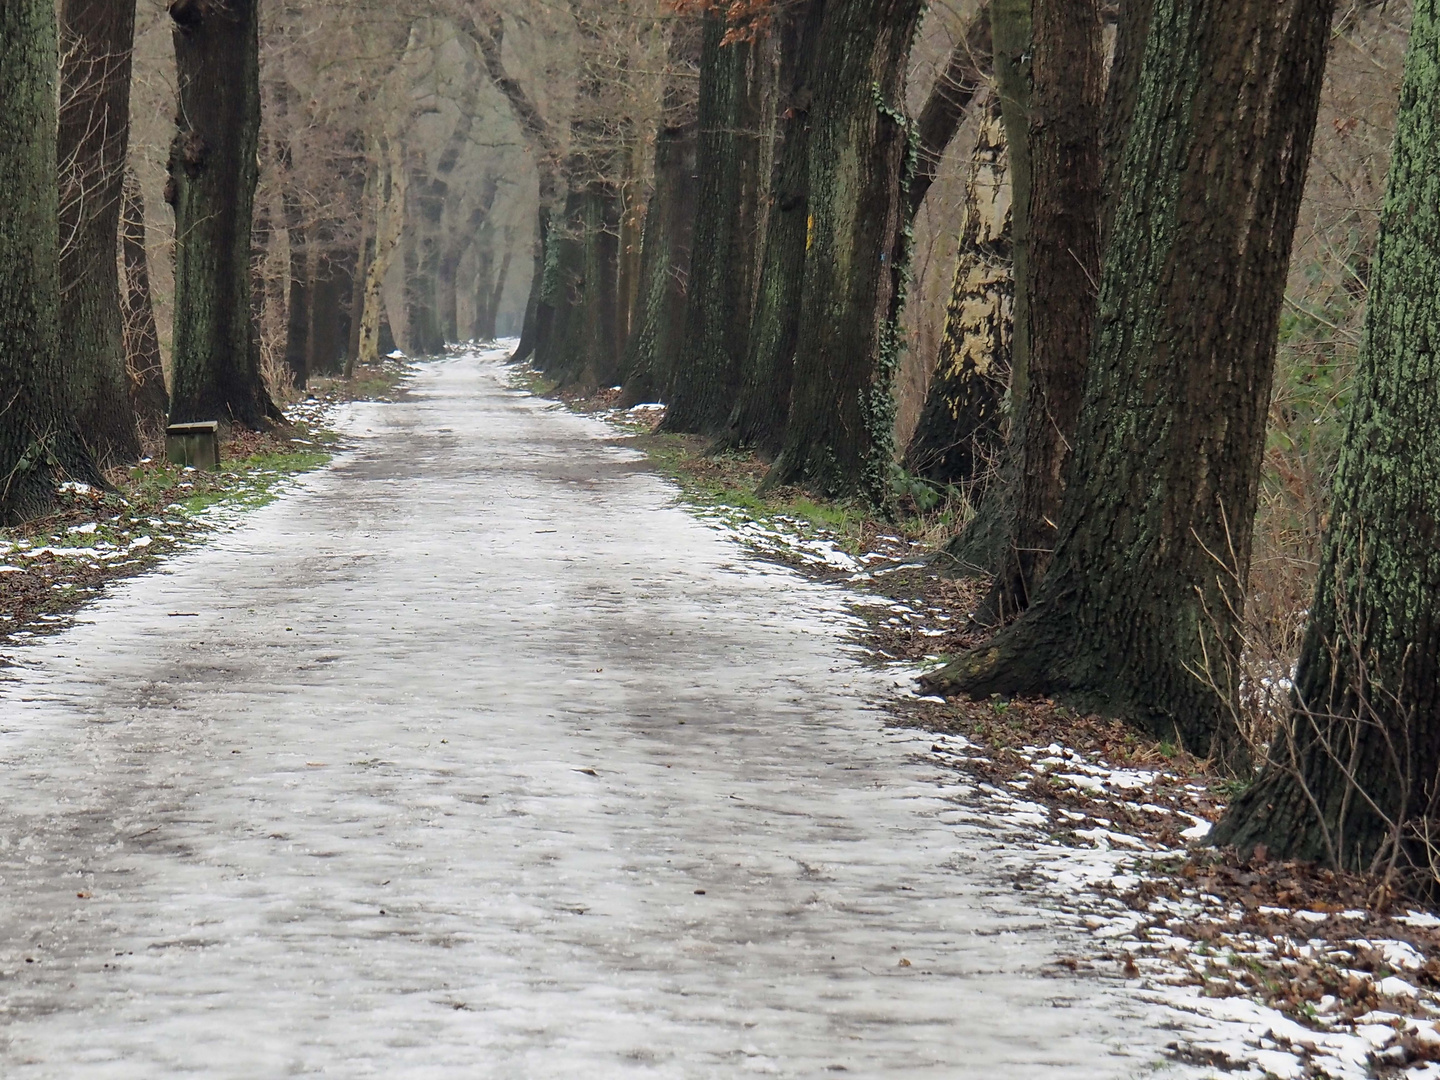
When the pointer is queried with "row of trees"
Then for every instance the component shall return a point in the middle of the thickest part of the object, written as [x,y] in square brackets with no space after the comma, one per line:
[311,170]
[723,198]
[1108,363]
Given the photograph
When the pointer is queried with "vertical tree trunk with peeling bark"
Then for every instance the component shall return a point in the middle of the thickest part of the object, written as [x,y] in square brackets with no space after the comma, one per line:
[146,376]
[840,436]
[96,38]
[1163,478]
[212,171]
[961,433]
[39,443]
[1354,775]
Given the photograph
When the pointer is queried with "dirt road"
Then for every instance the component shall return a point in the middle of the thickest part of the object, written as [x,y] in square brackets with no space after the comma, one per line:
[478,756]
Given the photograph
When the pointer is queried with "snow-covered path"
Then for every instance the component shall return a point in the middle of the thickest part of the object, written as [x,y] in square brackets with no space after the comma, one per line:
[479,757]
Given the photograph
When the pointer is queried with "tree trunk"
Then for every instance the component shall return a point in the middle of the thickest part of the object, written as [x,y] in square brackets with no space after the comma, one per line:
[497,290]
[840,437]
[581,348]
[389,226]
[364,253]
[422,265]
[706,371]
[961,433]
[763,403]
[324,331]
[1121,94]
[966,72]
[669,228]
[297,305]
[212,170]
[1062,276]
[94,137]
[1352,781]
[39,443]
[142,338]
[1162,482]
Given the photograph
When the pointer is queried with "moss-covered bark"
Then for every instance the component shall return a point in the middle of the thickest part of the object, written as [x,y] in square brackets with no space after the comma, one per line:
[669,226]
[706,371]
[212,171]
[39,444]
[1367,689]
[961,432]
[1062,266]
[840,435]
[142,338]
[762,405]
[94,137]
[1162,481]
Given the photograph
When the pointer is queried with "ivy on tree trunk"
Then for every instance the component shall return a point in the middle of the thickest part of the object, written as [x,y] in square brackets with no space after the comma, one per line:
[840,435]
[1152,549]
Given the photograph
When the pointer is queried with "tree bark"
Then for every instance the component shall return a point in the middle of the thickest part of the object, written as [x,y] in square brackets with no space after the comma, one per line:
[297,303]
[840,436]
[39,444]
[142,339]
[669,227]
[1352,780]
[1162,482]
[706,371]
[212,171]
[961,434]
[967,71]
[96,37]
[323,336]
[1122,91]
[763,403]
[389,227]
[1062,277]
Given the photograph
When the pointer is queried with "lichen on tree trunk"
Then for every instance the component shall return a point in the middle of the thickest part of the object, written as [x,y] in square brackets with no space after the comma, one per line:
[1062,268]
[1352,780]
[1152,548]
[39,443]
[762,404]
[961,432]
[669,226]
[840,436]
[212,169]
[94,137]
[706,370]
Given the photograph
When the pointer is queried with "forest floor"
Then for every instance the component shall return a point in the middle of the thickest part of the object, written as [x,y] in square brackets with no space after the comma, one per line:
[1281,969]
[52,566]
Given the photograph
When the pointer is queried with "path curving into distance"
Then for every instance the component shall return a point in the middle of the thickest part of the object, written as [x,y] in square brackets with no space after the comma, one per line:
[482,758]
